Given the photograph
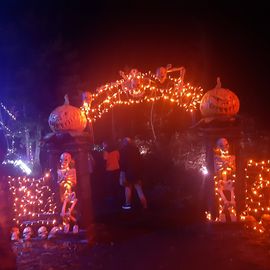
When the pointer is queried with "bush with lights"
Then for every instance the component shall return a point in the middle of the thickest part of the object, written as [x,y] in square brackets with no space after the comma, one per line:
[257,213]
[33,202]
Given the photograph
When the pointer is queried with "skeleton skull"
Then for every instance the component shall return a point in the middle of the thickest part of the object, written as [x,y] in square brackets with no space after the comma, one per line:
[161,74]
[53,232]
[42,232]
[75,229]
[65,160]
[87,97]
[66,227]
[27,233]
[223,144]
[134,79]
[15,236]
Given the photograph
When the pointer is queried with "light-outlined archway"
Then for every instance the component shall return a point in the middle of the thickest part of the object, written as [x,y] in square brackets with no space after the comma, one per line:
[137,87]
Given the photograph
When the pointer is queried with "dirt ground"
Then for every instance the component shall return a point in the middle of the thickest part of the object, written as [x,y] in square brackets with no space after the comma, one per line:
[136,240]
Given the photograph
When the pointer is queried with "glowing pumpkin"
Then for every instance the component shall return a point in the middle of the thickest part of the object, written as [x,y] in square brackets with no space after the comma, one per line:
[250,221]
[67,118]
[266,221]
[219,102]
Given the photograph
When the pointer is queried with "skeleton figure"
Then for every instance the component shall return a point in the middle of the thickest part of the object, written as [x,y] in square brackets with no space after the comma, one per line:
[87,99]
[42,232]
[67,181]
[224,179]
[27,233]
[162,73]
[53,232]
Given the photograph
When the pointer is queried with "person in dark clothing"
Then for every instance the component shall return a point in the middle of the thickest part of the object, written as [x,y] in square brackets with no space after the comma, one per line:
[131,169]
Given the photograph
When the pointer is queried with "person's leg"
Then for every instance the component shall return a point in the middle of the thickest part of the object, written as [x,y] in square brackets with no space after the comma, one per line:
[128,193]
[115,183]
[141,195]
[128,196]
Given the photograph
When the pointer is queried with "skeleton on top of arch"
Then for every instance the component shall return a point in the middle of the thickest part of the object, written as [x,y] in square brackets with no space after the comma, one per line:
[135,83]
[224,180]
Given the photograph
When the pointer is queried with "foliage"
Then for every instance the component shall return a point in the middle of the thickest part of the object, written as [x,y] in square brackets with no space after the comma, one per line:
[172,174]
[188,151]
[21,130]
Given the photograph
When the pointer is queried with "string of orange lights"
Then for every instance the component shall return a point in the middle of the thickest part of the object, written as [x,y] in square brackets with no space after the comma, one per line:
[33,200]
[257,205]
[139,88]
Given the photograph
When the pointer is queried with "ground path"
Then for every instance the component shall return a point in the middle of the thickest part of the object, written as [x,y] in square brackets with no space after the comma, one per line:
[150,240]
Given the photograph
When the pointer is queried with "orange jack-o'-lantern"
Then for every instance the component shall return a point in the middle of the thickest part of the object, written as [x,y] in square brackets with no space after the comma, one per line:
[266,221]
[67,118]
[250,222]
[219,102]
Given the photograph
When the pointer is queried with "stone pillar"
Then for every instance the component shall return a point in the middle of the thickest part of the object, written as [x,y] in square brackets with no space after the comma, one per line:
[211,202]
[233,134]
[78,145]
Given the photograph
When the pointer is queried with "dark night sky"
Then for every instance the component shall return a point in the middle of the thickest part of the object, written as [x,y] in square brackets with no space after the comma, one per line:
[48,48]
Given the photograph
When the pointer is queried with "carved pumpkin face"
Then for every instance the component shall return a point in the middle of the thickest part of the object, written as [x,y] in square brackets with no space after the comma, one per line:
[219,102]
[67,118]
[250,221]
[266,221]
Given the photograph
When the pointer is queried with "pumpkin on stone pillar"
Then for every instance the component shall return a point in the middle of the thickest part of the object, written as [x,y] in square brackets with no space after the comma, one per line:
[67,118]
[219,102]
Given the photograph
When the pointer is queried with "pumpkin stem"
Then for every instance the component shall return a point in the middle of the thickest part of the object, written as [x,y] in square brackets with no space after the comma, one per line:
[218,83]
[66,99]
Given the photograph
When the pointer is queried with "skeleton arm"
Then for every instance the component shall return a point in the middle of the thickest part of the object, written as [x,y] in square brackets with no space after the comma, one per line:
[61,176]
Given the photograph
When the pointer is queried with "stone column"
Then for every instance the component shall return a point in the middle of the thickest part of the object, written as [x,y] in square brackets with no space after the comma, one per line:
[78,145]
[211,202]
[233,134]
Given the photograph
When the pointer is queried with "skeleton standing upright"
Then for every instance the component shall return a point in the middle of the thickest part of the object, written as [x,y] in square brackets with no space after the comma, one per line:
[67,180]
[224,180]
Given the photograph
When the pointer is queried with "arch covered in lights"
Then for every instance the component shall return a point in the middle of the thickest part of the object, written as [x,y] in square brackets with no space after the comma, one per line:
[137,87]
